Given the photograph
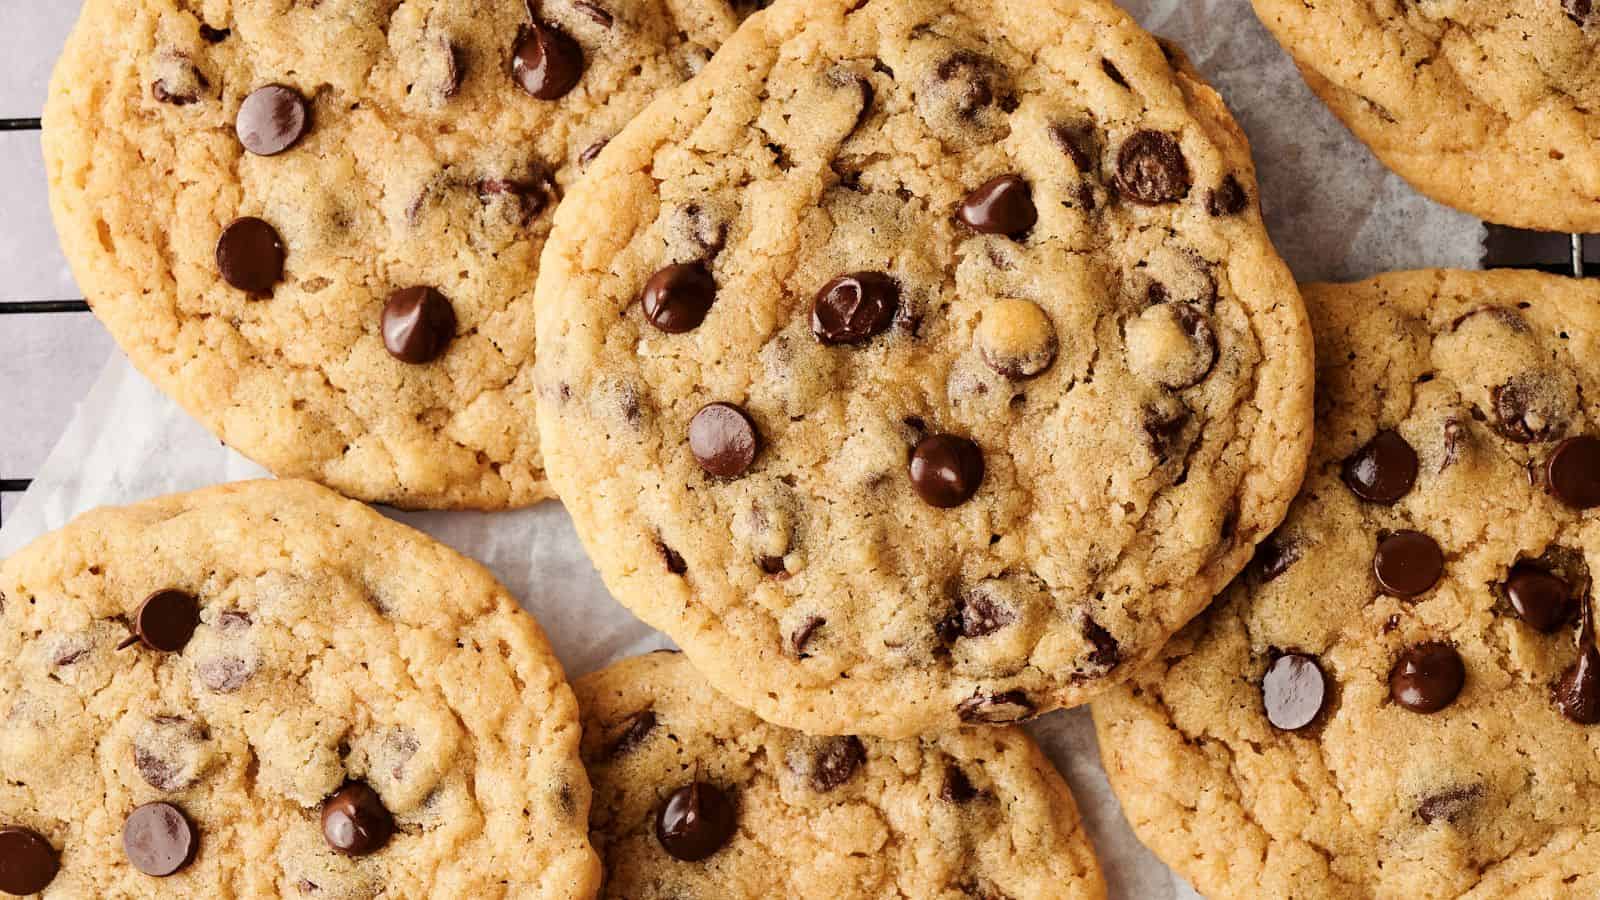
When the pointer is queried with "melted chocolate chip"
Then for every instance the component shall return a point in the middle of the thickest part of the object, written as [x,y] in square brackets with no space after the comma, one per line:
[946,470]
[1228,198]
[634,730]
[723,440]
[1112,72]
[976,614]
[272,119]
[1573,472]
[418,324]
[214,35]
[1294,691]
[995,709]
[225,674]
[1151,168]
[595,12]
[677,298]
[1001,205]
[697,820]
[355,821]
[531,196]
[27,861]
[674,560]
[159,839]
[801,637]
[1524,412]
[1077,140]
[1540,598]
[853,308]
[973,77]
[1427,677]
[1107,653]
[1164,430]
[1448,806]
[1577,693]
[166,620]
[1407,563]
[546,63]
[590,152]
[836,762]
[250,256]
[957,787]
[1384,470]
[1579,11]
[1274,556]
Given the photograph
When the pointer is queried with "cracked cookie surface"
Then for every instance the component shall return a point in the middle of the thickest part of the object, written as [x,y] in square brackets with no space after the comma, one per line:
[1488,106]
[1391,701]
[327,654]
[974,813]
[922,363]
[375,146]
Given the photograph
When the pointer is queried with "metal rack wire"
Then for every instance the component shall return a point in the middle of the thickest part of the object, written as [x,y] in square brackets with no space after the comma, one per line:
[1505,248]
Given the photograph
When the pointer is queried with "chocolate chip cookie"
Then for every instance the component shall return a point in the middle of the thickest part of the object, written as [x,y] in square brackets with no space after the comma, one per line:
[1399,696]
[317,225]
[1488,106]
[267,690]
[698,799]
[923,363]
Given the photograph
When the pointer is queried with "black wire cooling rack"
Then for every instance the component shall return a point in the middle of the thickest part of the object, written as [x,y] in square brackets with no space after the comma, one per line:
[1505,248]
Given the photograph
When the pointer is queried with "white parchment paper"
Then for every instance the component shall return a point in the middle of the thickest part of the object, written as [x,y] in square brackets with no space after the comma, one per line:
[1334,212]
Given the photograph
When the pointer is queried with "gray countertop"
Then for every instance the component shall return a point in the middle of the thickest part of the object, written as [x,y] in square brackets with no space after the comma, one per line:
[46,361]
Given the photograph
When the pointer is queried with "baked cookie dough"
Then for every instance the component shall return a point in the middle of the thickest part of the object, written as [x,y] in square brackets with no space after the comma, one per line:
[317,225]
[264,689]
[1487,106]
[1399,697]
[697,798]
[923,363]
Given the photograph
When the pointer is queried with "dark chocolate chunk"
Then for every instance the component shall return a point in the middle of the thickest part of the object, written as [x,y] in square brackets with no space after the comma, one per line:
[1001,205]
[250,256]
[272,119]
[1384,470]
[355,821]
[159,839]
[853,308]
[546,63]
[697,820]
[1151,168]
[946,470]
[1407,563]
[677,298]
[723,439]
[27,861]
[1427,677]
[418,324]
[1294,691]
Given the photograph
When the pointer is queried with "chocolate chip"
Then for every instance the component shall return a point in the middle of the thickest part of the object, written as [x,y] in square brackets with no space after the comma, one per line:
[595,13]
[697,820]
[166,620]
[801,637]
[723,440]
[250,256]
[1274,556]
[1384,470]
[1539,598]
[970,81]
[977,613]
[1164,430]
[1151,168]
[677,298]
[546,63]
[853,308]
[355,821]
[272,119]
[836,762]
[674,560]
[1078,140]
[632,733]
[1228,198]
[1448,806]
[1112,72]
[213,35]
[168,752]
[1016,339]
[418,324]
[1294,691]
[1001,205]
[1107,653]
[1577,693]
[1407,563]
[995,709]
[957,787]
[1427,677]
[530,195]
[225,674]
[1526,410]
[27,861]
[1578,11]
[159,839]
[1573,472]
[592,151]
[180,82]
[946,470]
